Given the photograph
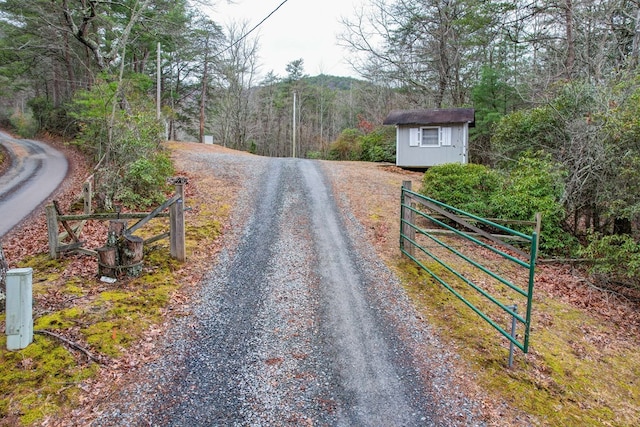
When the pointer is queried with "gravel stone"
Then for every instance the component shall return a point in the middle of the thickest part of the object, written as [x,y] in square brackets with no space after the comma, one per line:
[297,323]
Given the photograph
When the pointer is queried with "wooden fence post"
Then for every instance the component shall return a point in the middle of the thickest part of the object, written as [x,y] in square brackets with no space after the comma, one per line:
[86,193]
[52,230]
[538,229]
[177,229]
[408,216]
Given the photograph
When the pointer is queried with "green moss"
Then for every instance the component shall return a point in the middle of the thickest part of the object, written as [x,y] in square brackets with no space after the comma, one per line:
[45,271]
[42,262]
[35,381]
[119,317]
[207,231]
[58,320]
[113,296]
[158,263]
[74,287]
[109,337]
[204,229]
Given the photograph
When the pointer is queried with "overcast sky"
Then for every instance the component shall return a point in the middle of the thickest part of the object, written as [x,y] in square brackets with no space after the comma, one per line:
[304,29]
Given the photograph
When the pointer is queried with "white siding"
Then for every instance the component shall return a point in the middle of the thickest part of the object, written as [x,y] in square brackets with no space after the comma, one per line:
[452,148]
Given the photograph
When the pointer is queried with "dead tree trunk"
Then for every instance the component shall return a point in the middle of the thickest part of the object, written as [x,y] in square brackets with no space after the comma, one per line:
[117,227]
[131,250]
[108,261]
[108,255]
[123,252]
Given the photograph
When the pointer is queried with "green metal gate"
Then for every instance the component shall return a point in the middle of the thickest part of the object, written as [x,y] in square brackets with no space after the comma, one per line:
[481,262]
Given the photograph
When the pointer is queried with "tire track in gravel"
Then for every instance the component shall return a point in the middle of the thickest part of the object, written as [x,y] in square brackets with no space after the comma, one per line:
[287,330]
[213,390]
[374,388]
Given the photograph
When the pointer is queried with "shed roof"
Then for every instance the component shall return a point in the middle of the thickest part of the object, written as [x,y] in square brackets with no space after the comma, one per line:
[428,117]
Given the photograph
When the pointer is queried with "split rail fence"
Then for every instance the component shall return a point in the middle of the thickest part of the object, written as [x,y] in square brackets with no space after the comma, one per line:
[70,239]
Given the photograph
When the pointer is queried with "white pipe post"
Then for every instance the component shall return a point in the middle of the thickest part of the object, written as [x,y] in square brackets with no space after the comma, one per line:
[19,322]
[294,125]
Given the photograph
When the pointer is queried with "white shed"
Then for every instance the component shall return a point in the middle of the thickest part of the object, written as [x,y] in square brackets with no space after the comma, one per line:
[431,137]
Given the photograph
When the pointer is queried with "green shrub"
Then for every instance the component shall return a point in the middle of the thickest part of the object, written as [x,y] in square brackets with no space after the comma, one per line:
[51,119]
[536,129]
[534,185]
[145,181]
[379,145]
[24,124]
[467,187]
[314,155]
[347,146]
[617,256]
[125,141]
[253,147]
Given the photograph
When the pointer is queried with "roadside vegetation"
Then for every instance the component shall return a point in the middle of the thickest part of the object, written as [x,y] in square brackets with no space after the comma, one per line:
[575,161]
[556,132]
[83,327]
[582,367]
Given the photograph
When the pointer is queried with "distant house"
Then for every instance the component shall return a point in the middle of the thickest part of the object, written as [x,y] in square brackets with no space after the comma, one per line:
[431,137]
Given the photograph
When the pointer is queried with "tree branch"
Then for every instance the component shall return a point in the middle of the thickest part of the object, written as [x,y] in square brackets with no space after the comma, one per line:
[70,344]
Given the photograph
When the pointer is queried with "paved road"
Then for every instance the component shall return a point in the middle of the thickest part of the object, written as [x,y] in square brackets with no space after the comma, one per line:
[36,171]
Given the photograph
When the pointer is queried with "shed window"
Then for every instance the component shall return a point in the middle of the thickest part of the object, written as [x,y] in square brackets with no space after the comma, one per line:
[433,136]
[430,137]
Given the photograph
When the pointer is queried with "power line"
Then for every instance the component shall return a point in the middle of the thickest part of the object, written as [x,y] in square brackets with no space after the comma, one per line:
[245,35]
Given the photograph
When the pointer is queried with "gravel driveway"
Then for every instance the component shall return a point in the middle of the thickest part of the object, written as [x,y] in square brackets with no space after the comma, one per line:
[297,323]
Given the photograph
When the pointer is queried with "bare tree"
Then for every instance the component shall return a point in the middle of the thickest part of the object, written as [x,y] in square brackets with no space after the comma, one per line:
[235,69]
[429,48]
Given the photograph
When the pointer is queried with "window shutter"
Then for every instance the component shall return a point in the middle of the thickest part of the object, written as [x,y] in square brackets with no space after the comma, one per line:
[445,136]
[414,137]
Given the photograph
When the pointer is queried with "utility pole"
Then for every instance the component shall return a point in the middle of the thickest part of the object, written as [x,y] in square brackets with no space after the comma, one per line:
[158,83]
[293,151]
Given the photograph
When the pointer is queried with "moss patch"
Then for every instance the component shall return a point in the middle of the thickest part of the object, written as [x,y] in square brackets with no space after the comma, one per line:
[38,380]
[63,319]
[42,379]
[74,287]
[45,271]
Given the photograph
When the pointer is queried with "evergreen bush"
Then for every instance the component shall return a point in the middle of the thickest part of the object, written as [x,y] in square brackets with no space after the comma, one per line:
[617,257]
[532,186]
[125,141]
[379,145]
[24,124]
[467,187]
